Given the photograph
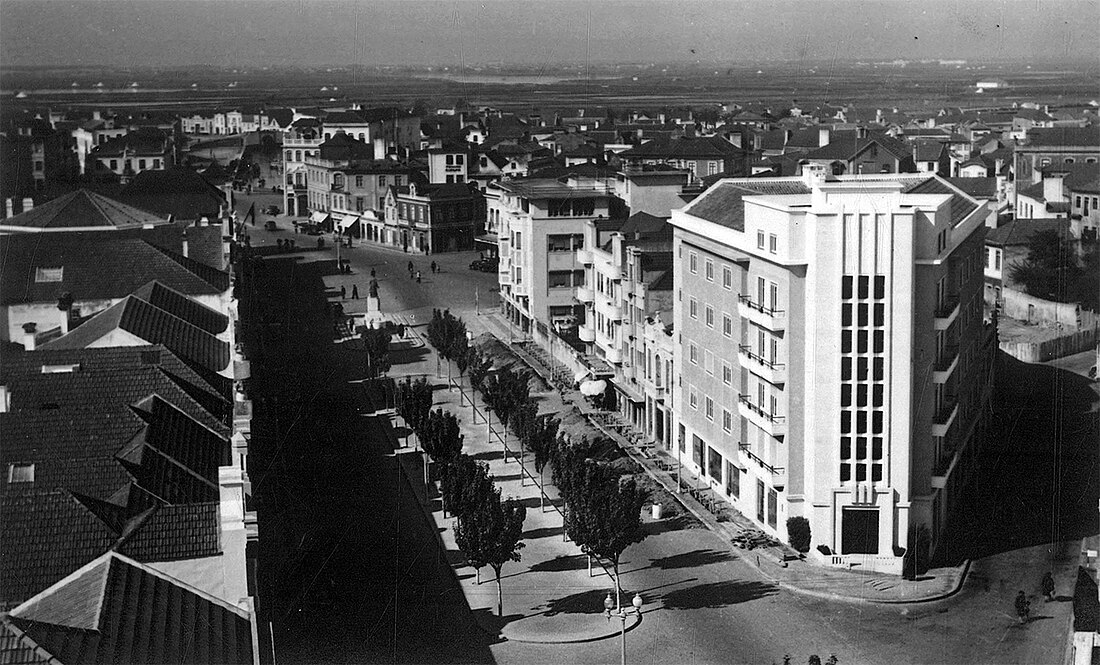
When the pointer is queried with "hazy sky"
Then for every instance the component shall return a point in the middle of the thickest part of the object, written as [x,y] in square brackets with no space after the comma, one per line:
[315,32]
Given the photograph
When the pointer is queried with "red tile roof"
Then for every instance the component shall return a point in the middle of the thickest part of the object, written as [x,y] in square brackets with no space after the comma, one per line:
[84,209]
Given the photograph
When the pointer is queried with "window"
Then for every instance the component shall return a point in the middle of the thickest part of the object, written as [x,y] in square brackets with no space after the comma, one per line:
[709,316]
[709,408]
[693,263]
[733,481]
[727,278]
[708,361]
[21,473]
[381,181]
[760,240]
[697,450]
[880,314]
[846,287]
[727,324]
[693,399]
[714,464]
[517,242]
[48,274]
[693,353]
[880,287]
[156,164]
[141,164]
[727,374]
[693,308]
[727,421]
[709,270]
[773,243]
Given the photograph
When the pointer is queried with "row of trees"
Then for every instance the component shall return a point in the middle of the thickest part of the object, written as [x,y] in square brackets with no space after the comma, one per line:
[447,333]
[602,503]
[488,529]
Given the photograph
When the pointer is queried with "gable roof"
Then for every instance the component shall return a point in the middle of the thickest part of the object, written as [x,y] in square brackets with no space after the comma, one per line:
[83,209]
[1020,231]
[1064,137]
[134,262]
[116,610]
[153,325]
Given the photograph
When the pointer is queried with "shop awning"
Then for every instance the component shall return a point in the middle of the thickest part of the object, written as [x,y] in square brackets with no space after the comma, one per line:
[318,217]
[347,221]
[593,388]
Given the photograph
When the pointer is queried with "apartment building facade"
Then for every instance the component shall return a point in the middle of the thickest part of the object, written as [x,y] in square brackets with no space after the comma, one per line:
[541,225]
[831,356]
[302,140]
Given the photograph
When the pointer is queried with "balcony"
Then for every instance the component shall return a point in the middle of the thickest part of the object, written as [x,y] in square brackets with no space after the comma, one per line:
[944,418]
[946,313]
[614,356]
[772,372]
[628,288]
[585,295]
[760,314]
[946,364]
[336,187]
[586,333]
[610,310]
[584,256]
[772,424]
[778,473]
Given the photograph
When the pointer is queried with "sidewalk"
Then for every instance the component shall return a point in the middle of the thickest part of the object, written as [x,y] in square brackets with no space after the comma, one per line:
[798,576]
[550,565]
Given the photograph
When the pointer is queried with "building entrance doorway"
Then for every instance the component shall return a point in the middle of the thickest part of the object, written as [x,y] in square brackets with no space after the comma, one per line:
[859,531]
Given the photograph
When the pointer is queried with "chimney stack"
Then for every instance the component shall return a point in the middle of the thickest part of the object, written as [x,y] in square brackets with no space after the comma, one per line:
[9,208]
[822,137]
[5,399]
[29,330]
[185,246]
[28,204]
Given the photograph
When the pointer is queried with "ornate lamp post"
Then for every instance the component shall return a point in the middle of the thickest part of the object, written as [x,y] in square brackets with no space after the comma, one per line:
[612,608]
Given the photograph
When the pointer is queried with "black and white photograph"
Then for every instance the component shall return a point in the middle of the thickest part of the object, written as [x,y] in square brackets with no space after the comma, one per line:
[563,332]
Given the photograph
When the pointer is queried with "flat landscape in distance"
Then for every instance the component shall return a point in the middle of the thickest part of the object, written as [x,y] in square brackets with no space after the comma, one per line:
[915,87]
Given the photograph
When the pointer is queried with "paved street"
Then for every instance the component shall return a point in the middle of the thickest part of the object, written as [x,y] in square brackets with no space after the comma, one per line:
[708,605]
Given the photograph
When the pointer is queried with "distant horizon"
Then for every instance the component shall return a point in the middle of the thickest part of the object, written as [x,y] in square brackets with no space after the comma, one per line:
[551,33]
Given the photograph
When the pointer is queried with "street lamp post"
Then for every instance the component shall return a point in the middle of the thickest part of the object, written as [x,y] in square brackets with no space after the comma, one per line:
[613,608]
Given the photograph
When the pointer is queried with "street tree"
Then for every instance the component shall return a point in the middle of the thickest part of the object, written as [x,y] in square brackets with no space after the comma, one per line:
[464,483]
[414,402]
[523,424]
[376,348]
[606,507]
[489,534]
[542,440]
[440,438]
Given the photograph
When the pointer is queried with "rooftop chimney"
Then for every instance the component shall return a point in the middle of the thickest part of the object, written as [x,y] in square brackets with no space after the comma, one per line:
[9,208]
[185,246]
[29,330]
[28,204]
[823,137]
[5,399]
[1052,187]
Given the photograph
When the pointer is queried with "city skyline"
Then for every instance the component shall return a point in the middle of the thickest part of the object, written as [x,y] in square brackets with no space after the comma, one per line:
[468,33]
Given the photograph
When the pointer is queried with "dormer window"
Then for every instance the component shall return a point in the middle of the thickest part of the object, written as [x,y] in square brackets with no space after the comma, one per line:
[48,274]
[21,473]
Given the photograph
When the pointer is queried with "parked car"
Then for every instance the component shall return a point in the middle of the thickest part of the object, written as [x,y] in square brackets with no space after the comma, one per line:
[270,225]
[485,265]
[271,210]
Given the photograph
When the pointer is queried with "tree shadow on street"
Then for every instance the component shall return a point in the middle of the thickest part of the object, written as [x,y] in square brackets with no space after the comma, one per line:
[717,594]
[560,564]
[544,532]
[584,602]
[1037,467]
[692,559]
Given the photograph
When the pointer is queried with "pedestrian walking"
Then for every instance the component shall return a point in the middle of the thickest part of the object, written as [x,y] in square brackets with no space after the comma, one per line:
[433,267]
[417,276]
[355,292]
[410,267]
[1048,586]
[1023,607]
[343,291]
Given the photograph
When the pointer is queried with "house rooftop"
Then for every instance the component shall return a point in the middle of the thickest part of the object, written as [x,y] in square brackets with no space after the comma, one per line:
[83,209]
